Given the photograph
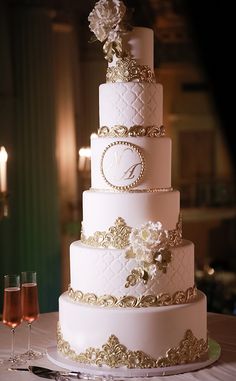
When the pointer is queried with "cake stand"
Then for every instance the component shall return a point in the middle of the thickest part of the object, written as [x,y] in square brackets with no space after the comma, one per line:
[114,373]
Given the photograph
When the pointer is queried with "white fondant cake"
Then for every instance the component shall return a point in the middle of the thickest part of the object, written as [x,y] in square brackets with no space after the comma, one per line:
[131,301]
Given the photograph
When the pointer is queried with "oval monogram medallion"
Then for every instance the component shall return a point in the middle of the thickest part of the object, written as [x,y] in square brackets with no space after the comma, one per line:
[122,165]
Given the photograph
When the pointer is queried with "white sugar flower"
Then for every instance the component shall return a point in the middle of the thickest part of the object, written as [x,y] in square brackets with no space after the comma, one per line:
[105,19]
[144,255]
[152,271]
[147,241]
[149,245]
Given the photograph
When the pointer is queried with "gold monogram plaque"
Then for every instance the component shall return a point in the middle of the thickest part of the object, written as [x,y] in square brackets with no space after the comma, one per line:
[122,165]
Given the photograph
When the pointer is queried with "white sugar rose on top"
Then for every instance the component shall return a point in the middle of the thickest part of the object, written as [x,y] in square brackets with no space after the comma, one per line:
[105,19]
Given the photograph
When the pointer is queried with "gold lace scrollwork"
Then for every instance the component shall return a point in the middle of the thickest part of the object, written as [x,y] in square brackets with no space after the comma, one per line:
[116,237]
[189,350]
[175,235]
[114,354]
[128,70]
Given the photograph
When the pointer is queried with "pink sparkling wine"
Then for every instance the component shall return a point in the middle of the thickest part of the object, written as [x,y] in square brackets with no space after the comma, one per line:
[12,312]
[30,305]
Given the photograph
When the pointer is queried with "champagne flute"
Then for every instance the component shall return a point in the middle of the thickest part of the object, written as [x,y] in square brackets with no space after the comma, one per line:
[30,308]
[12,312]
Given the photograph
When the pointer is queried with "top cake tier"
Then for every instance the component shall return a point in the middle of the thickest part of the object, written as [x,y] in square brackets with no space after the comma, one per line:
[134,60]
[139,44]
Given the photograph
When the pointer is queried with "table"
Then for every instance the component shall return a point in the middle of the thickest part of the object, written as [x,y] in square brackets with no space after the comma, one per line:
[222,328]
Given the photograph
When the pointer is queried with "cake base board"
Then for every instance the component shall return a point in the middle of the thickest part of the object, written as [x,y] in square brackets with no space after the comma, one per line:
[59,360]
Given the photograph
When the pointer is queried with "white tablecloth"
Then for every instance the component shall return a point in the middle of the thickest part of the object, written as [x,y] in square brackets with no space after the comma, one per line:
[222,328]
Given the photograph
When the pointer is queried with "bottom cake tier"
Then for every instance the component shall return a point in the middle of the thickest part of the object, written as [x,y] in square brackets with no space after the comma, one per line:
[133,337]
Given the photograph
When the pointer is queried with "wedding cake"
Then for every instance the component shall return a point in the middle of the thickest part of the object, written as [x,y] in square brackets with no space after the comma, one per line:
[132,301]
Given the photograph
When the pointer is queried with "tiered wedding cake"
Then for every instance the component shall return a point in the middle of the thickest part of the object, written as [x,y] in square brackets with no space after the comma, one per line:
[132,300]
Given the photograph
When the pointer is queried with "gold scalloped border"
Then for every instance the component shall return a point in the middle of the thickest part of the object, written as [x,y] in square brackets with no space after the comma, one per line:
[128,301]
[114,354]
[133,131]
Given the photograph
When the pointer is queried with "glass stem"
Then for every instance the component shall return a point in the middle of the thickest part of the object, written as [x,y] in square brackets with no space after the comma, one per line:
[12,342]
[29,337]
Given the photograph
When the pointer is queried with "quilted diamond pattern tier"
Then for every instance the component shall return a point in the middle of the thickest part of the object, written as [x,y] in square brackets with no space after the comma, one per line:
[104,271]
[129,104]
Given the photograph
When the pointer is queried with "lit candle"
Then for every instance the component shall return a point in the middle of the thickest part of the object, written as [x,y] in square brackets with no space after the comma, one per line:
[84,159]
[3,169]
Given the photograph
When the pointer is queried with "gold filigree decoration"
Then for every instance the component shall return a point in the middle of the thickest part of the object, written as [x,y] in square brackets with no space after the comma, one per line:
[142,273]
[129,301]
[138,274]
[116,237]
[166,257]
[175,235]
[114,48]
[128,70]
[189,350]
[114,355]
[134,131]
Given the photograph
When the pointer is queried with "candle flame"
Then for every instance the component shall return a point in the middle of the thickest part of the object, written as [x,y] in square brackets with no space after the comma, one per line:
[3,155]
[85,152]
